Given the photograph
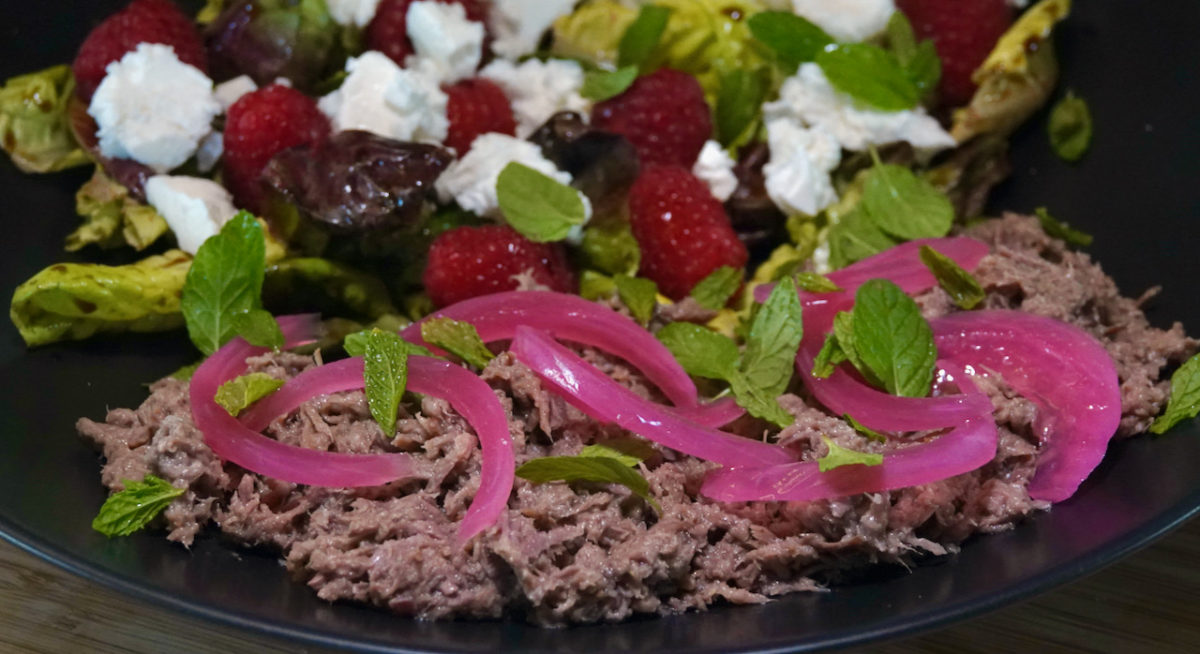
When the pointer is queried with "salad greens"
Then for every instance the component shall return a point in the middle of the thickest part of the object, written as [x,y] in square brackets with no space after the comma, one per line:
[459,338]
[596,463]
[714,291]
[539,207]
[1184,402]
[1070,127]
[839,456]
[639,294]
[964,289]
[385,375]
[237,394]
[34,128]
[111,218]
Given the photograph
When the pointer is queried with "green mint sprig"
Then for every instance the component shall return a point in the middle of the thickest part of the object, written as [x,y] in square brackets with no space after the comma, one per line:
[538,206]
[237,394]
[597,464]
[1184,402]
[963,288]
[458,337]
[129,510]
[839,456]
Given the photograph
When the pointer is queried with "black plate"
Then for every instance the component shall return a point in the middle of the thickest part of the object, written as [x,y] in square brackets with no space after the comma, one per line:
[1135,191]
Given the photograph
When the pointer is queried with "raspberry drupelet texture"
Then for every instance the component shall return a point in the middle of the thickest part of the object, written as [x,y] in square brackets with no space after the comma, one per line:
[663,114]
[476,106]
[388,30]
[466,262]
[964,32]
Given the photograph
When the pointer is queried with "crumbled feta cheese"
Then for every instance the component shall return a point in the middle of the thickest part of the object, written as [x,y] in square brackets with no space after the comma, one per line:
[809,98]
[194,208]
[352,12]
[518,25]
[153,108]
[847,20]
[210,151]
[538,89]
[797,175]
[230,92]
[444,39]
[715,167]
[471,180]
[380,97]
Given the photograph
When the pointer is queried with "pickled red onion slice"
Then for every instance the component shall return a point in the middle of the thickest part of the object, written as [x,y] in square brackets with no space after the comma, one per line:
[469,395]
[591,391]
[969,445]
[497,316]
[1065,372]
[232,441]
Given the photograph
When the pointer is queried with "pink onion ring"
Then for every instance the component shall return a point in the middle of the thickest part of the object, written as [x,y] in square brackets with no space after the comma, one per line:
[591,391]
[231,441]
[1062,369]
[497,316]
[469,395]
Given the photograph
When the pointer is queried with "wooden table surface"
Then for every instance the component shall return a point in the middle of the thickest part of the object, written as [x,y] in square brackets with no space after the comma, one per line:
[1146,603]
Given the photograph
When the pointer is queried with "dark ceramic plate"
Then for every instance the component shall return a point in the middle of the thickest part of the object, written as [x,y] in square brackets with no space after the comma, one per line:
[1135,191]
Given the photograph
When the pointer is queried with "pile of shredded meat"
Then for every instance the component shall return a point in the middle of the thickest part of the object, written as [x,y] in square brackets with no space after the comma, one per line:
[591,552]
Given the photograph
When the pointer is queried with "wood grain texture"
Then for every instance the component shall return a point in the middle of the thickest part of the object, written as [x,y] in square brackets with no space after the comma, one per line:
[1147,603]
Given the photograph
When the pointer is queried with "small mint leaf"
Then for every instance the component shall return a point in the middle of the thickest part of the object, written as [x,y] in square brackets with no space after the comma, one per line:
[1060,230]
[596,469]
[892,339]
[839,456]
[871,434]
[224,280]
[385,376]
[639,294]
[1184,402]
[642,36]
[600,85]
[1070,128]
[815,283]
[239,393]
[539,207]
[713,292]
[259,328]
[457,337]
[962,287]
[127,511]
[904,205]
[794,39]
[701,351]
[870,75]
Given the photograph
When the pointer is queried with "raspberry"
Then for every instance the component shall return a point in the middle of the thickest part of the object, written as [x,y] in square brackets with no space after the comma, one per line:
[466,262]
[388,30]
[143,21]
[259,125]
[663,114]
[476,106]
[682,231]
[964,32]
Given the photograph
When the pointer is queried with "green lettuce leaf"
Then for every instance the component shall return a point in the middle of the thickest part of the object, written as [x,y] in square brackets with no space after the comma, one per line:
[111,218]
[72,301]
[33,121]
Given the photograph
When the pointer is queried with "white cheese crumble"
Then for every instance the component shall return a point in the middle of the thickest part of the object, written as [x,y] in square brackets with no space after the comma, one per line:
[153,108]
[380,97]
[195,208]
[231,91]
[212,147]
[357,13]
[538,89]
[797,176]
[471,180]
[847,20]
[808,97]
[445,41]
[715,167]
[518,25]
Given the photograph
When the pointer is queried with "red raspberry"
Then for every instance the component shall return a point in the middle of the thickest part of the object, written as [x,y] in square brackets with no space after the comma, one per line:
[663,114]
[964,32]
[466,262]
[682,231]
[259,125]
[476,106]
[143,21]
[388,30]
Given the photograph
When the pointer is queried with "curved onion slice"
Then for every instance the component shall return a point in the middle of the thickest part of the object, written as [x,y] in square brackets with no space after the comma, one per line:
[470,396]
[591,391]
[1065,372]
[231,441]
[902,265]
[497,316]
[966,447]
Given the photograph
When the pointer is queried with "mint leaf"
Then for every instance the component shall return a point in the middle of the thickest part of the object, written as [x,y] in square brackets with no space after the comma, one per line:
[630,451]
[457,337]
[739,105]
[596,286]
[1184,402]
[355,345]
[815,282]
[839,456]
[1060,230]
[870,75]
[713,292]
[225,279]
[871,434]
[385,375]
[592,468]
[758,401]
[539,207]
[794,39]
[892,339]
[1070,128]
[905,205]
[919,60]
[259,328]
[600,85]
[901,38]
[854,238]
[701,351]
[830,356]
[774,337]
[239,393]
[127,511]
[639,294]
[962,286]
[641,37]
[843,329]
